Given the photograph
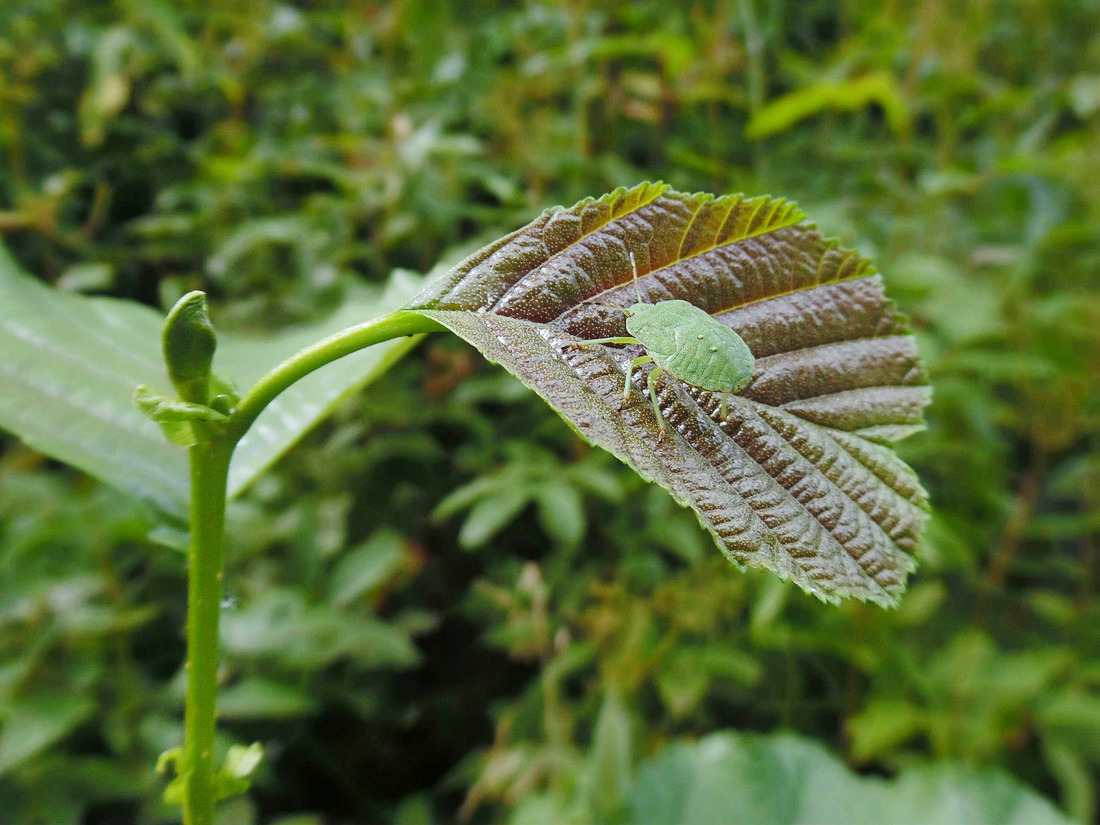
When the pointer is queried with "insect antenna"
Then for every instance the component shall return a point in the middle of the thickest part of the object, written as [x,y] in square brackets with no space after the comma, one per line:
[634,267]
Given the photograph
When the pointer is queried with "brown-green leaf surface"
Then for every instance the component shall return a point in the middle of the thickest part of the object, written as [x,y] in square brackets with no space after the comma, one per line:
[798,477]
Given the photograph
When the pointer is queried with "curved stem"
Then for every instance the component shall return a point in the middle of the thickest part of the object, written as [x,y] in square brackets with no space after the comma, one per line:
[209,474]
[315,356]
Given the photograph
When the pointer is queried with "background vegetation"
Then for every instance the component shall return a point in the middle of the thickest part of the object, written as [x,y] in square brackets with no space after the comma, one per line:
[406,668]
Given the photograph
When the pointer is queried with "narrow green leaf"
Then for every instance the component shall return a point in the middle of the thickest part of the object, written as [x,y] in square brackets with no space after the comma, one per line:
[797,478]
[464,497]
[845,95]
[366,567]
[609,769]
[560,512]
[490,515]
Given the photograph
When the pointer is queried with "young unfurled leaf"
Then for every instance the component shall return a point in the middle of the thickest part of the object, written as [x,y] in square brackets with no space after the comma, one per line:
[798,476]
[235,775]
[175,417]
[168,760]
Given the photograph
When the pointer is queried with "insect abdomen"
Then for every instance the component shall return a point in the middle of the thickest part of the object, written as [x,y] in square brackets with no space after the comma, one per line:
[714,362]
[701,351]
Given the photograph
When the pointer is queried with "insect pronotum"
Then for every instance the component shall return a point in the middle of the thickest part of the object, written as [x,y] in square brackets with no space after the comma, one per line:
[687,343]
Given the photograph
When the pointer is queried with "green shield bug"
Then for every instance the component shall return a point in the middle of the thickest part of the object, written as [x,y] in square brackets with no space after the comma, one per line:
[687,343]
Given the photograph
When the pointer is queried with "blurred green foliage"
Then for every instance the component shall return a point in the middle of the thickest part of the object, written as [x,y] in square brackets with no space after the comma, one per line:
[559,619]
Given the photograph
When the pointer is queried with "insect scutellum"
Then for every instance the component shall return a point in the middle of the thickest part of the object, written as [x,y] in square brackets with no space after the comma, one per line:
[670,332]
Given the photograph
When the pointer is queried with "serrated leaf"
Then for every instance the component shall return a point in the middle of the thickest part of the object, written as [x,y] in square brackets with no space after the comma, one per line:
[796,478]
[71,365]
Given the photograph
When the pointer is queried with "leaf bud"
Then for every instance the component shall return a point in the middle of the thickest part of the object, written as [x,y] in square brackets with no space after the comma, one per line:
[189,342]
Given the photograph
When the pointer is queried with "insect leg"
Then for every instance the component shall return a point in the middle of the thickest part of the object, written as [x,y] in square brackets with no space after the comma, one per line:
[637,362]
[592,341]
[725,406]
[652,385]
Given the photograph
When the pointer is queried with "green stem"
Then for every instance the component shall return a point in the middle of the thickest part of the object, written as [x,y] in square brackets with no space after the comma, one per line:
[209,474]
[325,351]
[209,461]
